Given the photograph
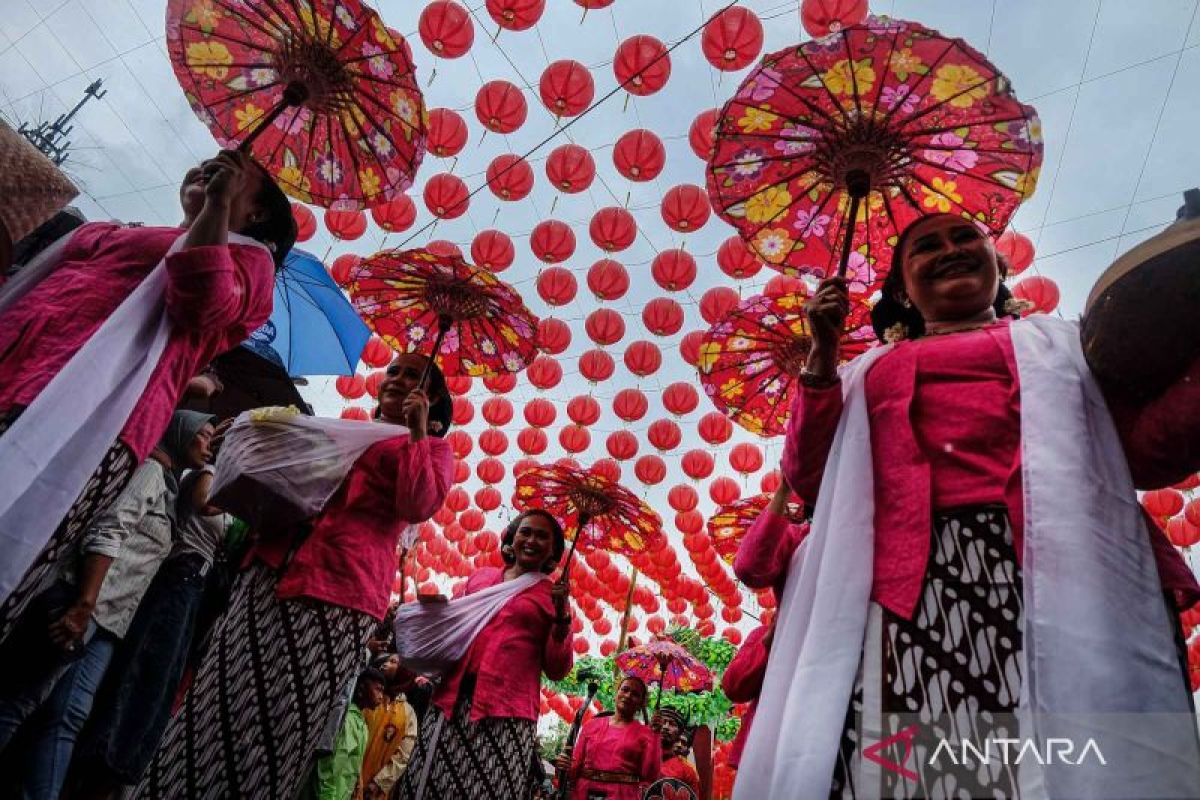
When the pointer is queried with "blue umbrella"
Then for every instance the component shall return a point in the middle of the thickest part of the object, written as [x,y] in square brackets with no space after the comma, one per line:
[313,329]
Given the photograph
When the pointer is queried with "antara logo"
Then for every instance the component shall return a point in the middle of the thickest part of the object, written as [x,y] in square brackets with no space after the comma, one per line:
[970,754]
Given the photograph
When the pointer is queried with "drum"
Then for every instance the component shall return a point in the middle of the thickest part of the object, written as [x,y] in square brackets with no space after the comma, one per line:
[1141,323]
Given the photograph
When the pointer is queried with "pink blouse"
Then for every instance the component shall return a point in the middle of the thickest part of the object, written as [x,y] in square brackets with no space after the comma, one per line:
[742,683]
[215,297]
[349,557]
[509,655]
[764,554]
[950,407]
[632,749]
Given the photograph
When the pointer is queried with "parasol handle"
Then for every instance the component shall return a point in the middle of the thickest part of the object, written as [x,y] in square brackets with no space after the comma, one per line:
[564,780]
[444,323]
[858,183]
[584,518]
[403,577]
[294,94]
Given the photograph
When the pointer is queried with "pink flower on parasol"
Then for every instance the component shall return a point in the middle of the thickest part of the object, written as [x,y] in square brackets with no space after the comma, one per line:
[477,323]
[750,361]
[881,123]
[729,525]
[322,93]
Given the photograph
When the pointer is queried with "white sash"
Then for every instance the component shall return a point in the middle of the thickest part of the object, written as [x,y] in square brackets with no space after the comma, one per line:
[50,452]
[433,637]
[1097,636]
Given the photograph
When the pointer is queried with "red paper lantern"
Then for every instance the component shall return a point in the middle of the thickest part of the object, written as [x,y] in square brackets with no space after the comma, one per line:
[493,441]
[771,481]
[605,326]
[522,466]
[487,499]
[685,208]
[357,414]
[306,222]
[680,398]
[490,470]
[642,65]
[612,229]
[509,177]
[502,383]
[683,498]
[552,241]
[554,336]
[715,428]
[532,441]
[343,267]
[594,4]
[446,196]
[717,302]
[345,225]
[664,435]
[544,373]
[674,269]
[373,382]
[639,155]
[351,387]
[492,250]
[732,39]
[630,404]
[570,168]
[583,410]
[497,411]
[556,285]
[447,133]
[656,625]
[608,279]
[1160,504]
[724,490]
[621,445]
[566,88]
[376,353]
[540,412]
[1017,249]
[607,468]
[516,15]
[823,17]
[446,30]
[396,215]
[650,470]
[1182,532]
[643,358]
[690,523]
[440,247]
[732,635]
[700,134]
[1038,290]
[462,412]
[662,316]
[596,365]
[736,260]
[689,347]
[1192,511]
[574,438]
[782,285]
[457,500]
[500,106]
[746,458]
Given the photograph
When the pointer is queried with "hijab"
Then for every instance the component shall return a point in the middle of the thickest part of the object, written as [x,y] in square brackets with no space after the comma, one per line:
[181,430]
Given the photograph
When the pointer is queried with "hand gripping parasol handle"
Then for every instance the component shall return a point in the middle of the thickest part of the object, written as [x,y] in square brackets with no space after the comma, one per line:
[564,780]
[858,184]
[294,94]
[444,323]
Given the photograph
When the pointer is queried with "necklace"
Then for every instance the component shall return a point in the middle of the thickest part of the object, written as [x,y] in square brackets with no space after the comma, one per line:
[975,327]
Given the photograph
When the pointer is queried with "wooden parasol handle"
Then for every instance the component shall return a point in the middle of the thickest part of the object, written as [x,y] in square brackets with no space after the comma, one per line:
[858,184]
[444,323]
[294,94]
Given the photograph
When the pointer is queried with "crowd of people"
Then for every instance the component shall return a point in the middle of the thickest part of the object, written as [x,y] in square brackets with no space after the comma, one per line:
[973,553]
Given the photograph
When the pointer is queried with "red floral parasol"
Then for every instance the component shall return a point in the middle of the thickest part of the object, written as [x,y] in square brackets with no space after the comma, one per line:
[667,663]
[883,122]
[602,514]
[750,360]
[321,92]
[729,525]
[479,324]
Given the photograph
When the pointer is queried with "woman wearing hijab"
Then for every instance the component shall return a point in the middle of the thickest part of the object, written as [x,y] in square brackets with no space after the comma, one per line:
[978,567]
[117,558]
[298,622]
[480,735]
[616,756]
[132,313]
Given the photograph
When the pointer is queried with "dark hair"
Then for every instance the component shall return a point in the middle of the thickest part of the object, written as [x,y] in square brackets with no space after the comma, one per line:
[367,677]
[277,228]
[889,312]
[510,533]
[441,409]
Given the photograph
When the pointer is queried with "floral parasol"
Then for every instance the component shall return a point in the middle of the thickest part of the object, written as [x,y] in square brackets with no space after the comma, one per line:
[667,663]
[883,122]
[321,92]
[478,324]
[601,513]
[750,361]
[729,525]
